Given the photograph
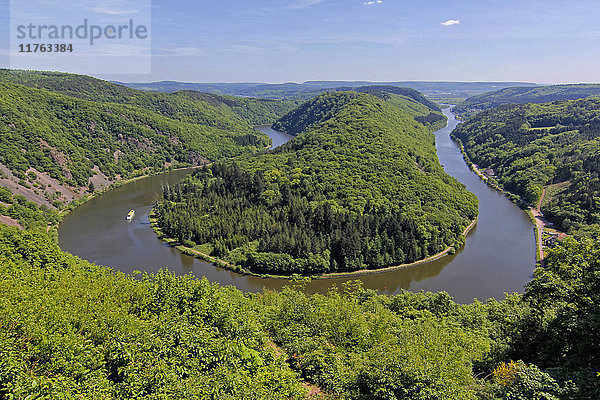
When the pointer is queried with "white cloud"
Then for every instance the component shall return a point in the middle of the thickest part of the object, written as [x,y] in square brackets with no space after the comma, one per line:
[243,49]
[108,11]
[306,3]
[179,51]
[451,22]
[370,3]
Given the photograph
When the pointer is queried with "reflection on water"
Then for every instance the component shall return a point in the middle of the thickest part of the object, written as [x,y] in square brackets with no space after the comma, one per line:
[277,137]
[498,257]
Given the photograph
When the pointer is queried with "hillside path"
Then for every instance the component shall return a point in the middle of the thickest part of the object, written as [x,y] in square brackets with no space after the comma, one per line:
[540,223]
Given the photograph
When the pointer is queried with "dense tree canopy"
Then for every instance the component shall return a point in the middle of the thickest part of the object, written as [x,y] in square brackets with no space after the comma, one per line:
[360,187]
[75,126]
[66,137]
[531,146]
[70,329]
[321,108]
[384,91]
[73,329]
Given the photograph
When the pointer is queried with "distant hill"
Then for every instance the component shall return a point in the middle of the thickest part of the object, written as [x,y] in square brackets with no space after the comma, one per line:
[382,91]
[185,105]
[521,95]
[438,91]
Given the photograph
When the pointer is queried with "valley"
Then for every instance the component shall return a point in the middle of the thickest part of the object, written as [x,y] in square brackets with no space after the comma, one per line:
[368,178]
[498,255]
[300,200]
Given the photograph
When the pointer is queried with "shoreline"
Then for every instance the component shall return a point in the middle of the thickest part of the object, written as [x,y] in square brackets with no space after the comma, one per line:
[532,212]
[114,185]
[332,275]
[118,183]
[195,253]
[366,272]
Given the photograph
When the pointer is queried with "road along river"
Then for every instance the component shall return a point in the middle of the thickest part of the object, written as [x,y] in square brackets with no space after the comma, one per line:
[498,257]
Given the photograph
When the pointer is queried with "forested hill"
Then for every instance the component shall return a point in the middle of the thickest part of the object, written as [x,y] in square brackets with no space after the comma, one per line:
[383,91]
[54,146]
[521,95]
[322,108]
[186,106]
[359,187]
[535,146]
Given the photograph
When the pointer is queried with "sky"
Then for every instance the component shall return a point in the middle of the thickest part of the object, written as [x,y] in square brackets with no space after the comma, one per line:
[383,40]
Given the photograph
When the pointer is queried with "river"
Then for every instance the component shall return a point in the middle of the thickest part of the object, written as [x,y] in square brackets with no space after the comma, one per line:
[498,257]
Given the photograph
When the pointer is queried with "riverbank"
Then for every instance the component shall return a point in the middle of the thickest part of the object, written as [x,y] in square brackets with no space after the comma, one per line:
[334,275]
[187,250]
[116,184]
[473,167]
[535,216]
[205,257]
[498,256]
[366,272]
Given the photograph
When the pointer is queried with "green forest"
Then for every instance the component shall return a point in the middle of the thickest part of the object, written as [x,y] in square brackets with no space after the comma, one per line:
[360,187]
[524,94]
[319,109]
[532,146]
[226,112]
[66,137]
[71,329]
[73,127]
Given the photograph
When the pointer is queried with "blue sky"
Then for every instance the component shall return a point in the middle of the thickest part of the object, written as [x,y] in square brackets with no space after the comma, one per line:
[386,40]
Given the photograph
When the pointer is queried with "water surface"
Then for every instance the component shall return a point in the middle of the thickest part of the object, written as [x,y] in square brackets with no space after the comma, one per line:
[498,257]
[277,137]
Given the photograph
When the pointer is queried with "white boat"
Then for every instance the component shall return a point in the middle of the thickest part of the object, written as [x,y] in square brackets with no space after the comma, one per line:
[130,215]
